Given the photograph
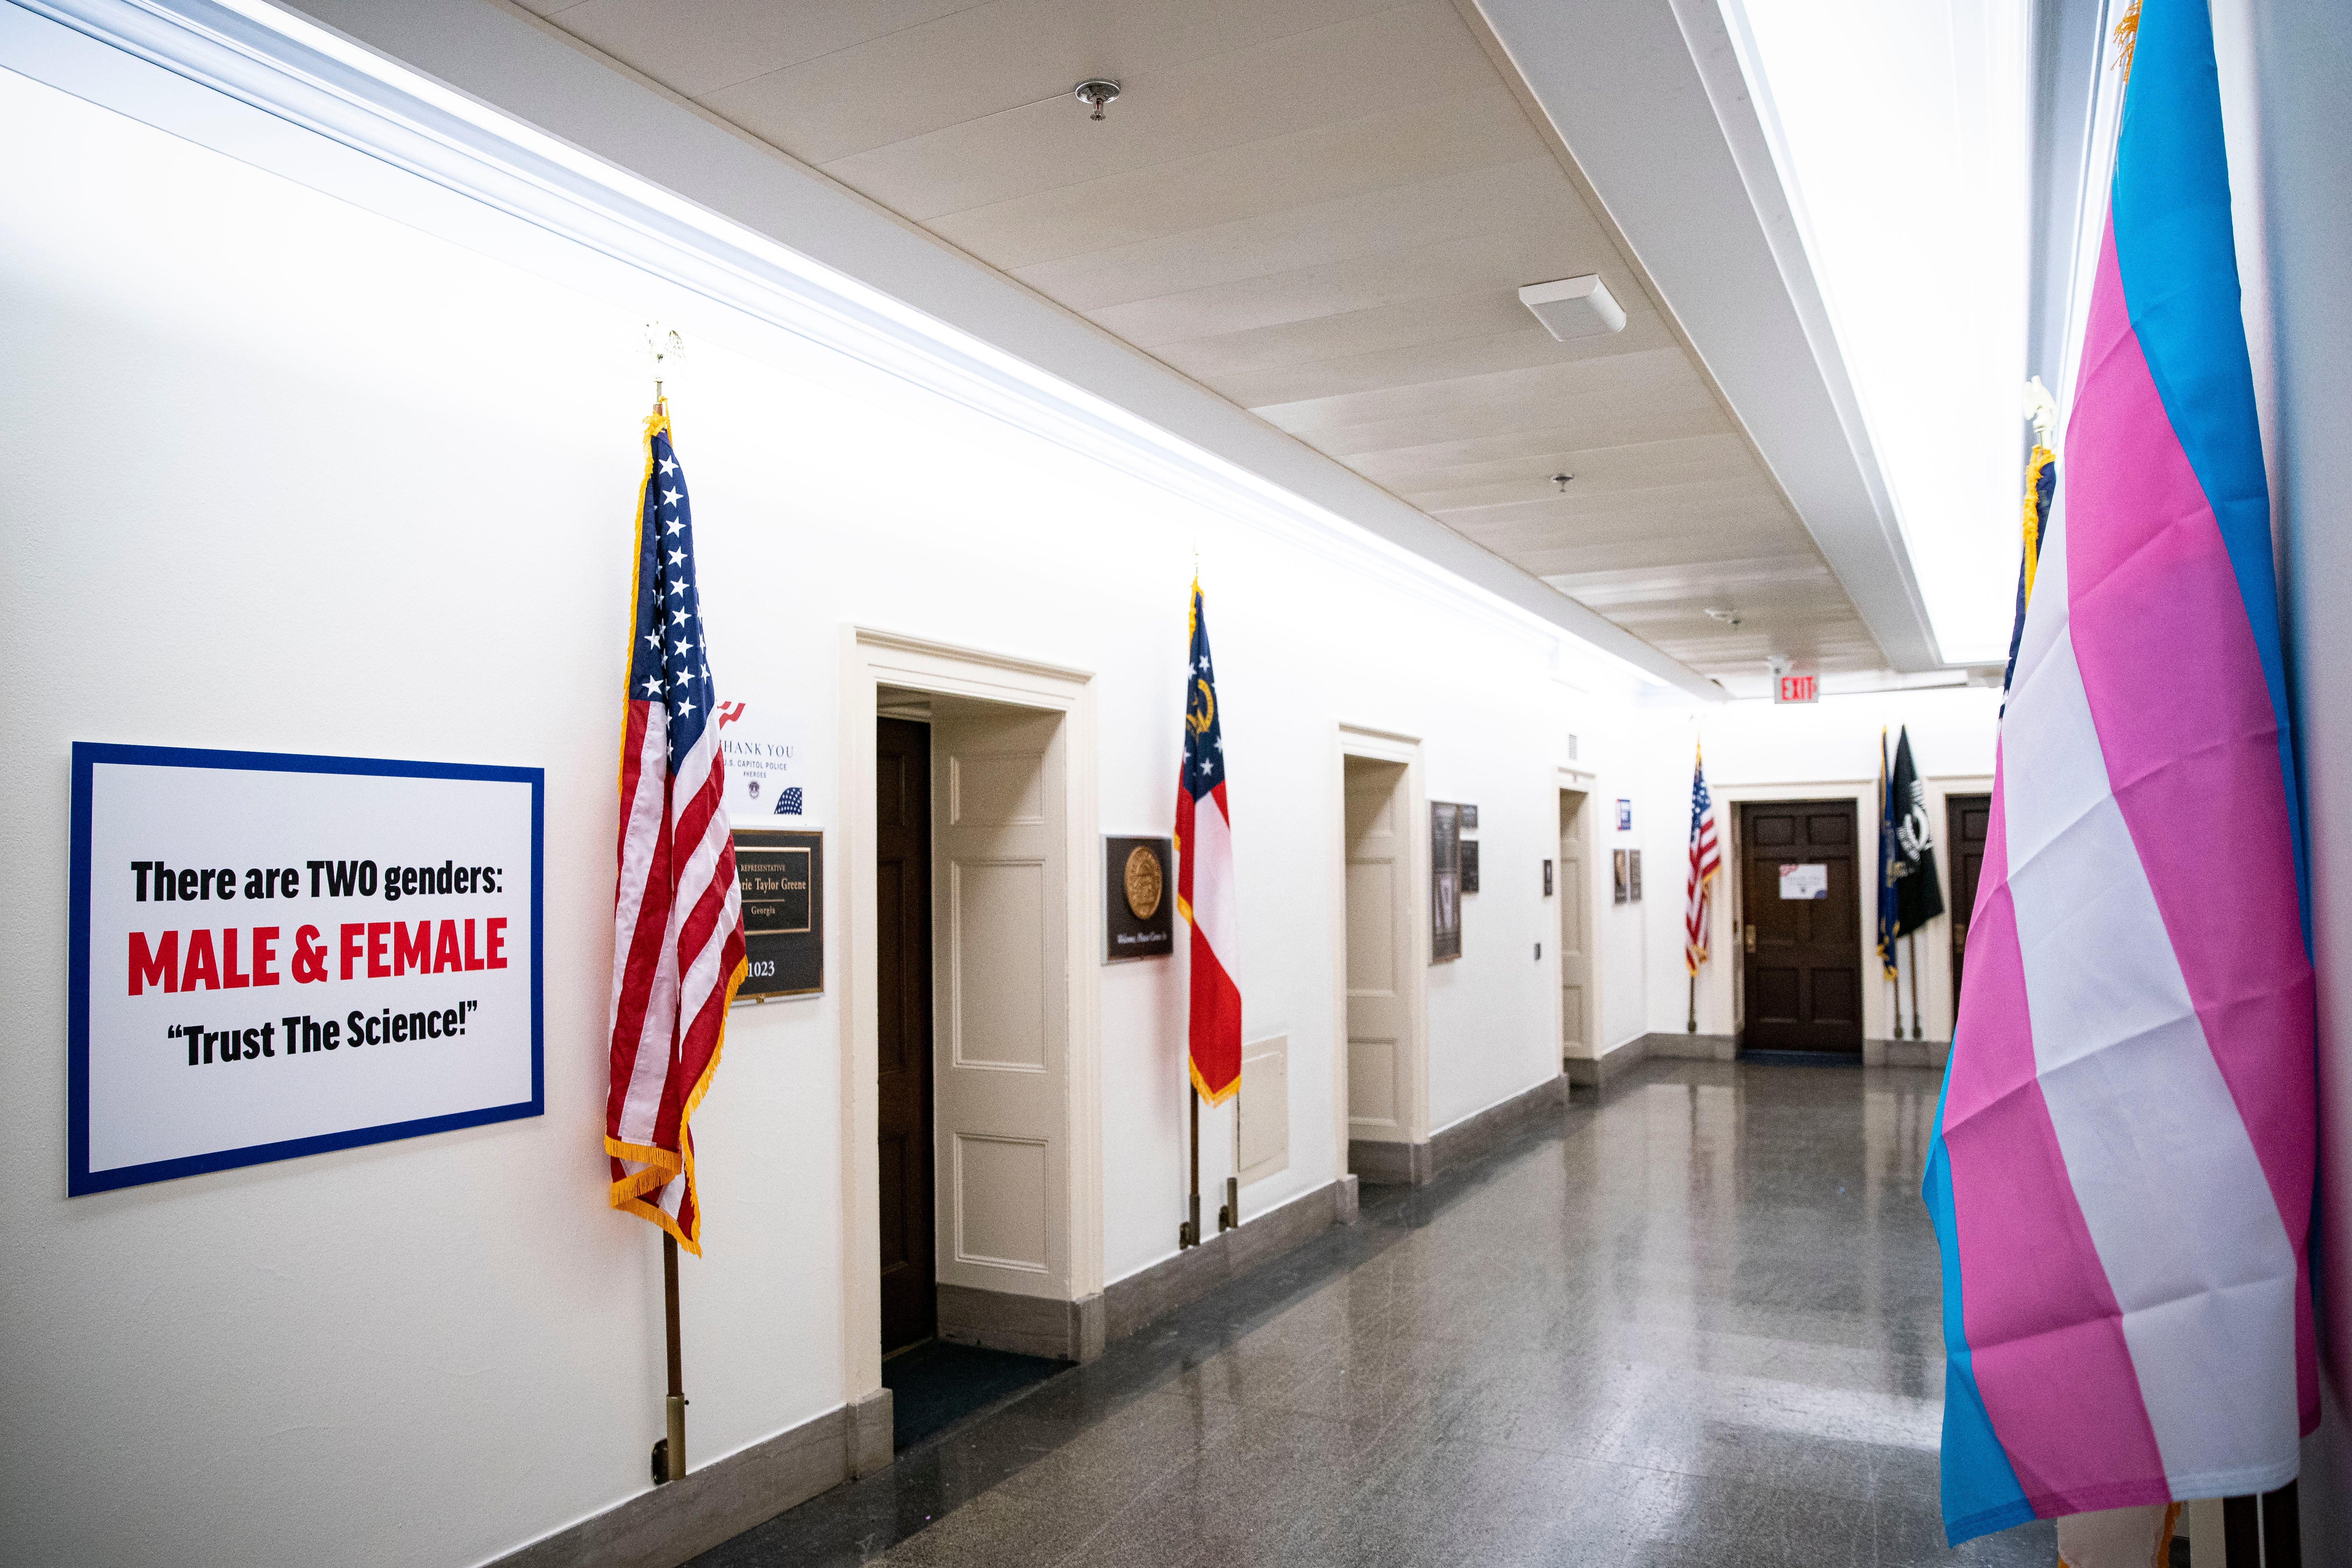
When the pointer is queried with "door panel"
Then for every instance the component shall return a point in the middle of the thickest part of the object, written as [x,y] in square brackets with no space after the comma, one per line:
[1575,916]
[1000,970]
[1803,959]
[1968,820]
[1379,867]
[902,811]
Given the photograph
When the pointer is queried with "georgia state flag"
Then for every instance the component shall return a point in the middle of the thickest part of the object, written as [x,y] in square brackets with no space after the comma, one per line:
[1204,878]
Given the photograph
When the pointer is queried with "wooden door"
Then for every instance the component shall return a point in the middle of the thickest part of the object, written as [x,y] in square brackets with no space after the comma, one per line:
[1575,918]
[902,817]
[1001,882]
[1803,959]
[1379,893]
[1968,818]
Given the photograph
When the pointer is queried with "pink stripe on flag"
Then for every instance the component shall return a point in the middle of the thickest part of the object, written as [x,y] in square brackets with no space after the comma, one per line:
[2043,1329]
[2176,687]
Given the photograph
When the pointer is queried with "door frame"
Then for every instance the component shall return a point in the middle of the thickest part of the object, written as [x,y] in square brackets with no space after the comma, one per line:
[871,660]
[1583,782]
[1722,995]
[1382,746]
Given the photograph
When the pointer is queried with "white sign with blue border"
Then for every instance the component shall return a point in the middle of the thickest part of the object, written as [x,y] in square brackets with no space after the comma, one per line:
[277,955]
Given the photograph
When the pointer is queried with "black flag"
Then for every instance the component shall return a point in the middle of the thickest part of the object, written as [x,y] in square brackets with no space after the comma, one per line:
[1918,899]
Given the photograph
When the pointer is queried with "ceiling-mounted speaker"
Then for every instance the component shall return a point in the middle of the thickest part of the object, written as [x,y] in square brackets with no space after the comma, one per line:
[1572,307]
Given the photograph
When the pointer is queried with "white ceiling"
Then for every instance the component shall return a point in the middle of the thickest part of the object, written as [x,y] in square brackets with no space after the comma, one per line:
[1322,210]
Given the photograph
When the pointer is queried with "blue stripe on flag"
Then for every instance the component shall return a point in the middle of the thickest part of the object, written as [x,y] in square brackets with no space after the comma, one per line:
[1980,1490]
[2178,262]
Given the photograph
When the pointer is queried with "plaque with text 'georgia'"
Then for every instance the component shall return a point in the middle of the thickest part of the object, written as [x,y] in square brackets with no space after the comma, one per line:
[1139,898]
[780,878]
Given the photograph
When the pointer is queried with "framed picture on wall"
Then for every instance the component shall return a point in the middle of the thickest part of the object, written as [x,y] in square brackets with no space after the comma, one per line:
[1633,876]
[1619,876]
[1469,865]
[1444,881]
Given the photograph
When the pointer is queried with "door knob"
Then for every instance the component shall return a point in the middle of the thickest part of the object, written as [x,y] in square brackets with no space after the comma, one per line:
[1751,939]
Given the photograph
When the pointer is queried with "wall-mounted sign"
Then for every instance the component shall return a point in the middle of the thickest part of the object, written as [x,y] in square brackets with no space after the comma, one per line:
[1797,689]
[1546,879]
[1469,866]
[1139,898]
[780,875]
[767,779]
[1444,881]
[1633,876]
[1469,818]
[1804,882]
[1624,816]
[277,955]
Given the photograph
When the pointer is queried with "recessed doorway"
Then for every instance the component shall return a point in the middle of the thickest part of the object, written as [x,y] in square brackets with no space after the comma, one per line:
[972,1118]
[1800,912]
[902,998]
[1384,964]
[1576,1012]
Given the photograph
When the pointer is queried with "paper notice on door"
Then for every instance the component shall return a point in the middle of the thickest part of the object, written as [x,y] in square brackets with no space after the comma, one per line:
[1804,882]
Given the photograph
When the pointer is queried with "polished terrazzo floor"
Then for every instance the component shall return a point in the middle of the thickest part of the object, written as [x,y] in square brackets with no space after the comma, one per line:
[1694,1322]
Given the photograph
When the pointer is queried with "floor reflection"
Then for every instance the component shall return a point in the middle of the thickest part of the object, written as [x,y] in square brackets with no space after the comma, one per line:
[1695,1322]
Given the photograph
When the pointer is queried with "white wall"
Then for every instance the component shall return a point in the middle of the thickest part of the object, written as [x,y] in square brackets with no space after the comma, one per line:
[283,474]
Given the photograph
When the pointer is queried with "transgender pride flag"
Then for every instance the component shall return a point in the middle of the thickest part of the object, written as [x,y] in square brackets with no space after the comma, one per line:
[2122,1173]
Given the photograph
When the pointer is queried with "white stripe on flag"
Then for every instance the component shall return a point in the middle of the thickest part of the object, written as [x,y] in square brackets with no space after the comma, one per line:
[2160,1162]
[1212,881]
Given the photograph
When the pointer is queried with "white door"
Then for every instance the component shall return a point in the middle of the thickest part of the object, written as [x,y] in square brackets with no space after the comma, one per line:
[1001,997]
[1380,1023]
[1575,925]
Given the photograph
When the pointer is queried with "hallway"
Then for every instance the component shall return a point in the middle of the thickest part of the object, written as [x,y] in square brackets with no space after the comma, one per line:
[1695,1323]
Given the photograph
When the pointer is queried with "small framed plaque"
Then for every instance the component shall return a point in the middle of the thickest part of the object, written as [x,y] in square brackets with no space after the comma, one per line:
[1139,898]
[1634,875]
[1619,877]
[1546,879]
[781,875]
[1469,824]
[1469,865]
[1444,881]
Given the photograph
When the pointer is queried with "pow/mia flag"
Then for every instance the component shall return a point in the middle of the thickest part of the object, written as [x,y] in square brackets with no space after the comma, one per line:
[1912,864]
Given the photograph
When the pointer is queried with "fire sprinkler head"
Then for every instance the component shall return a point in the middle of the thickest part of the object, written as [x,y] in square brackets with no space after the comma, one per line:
[1097,93]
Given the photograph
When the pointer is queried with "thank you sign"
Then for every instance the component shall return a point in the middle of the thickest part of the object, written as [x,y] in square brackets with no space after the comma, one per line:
[276,955]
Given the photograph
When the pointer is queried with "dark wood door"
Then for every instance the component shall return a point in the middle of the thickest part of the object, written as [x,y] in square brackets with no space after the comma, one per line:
[1803,957]
[1968,818]
[902,913]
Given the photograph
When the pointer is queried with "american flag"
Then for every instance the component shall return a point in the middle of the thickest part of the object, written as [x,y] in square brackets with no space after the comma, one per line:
[1205,876]
[678,925]
[1705,862]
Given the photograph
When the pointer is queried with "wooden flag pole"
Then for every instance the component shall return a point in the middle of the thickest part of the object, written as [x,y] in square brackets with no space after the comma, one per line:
[1896,954]
[675,1456]
[2242,1532]
[1691,1028]
[1188,1234]
[2282,1529]
[1914,940]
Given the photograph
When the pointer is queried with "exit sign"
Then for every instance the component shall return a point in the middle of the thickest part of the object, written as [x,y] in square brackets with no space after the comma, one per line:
[1797,689]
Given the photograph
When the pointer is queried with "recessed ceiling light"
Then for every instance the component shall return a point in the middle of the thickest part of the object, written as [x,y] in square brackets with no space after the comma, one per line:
[1571,308]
